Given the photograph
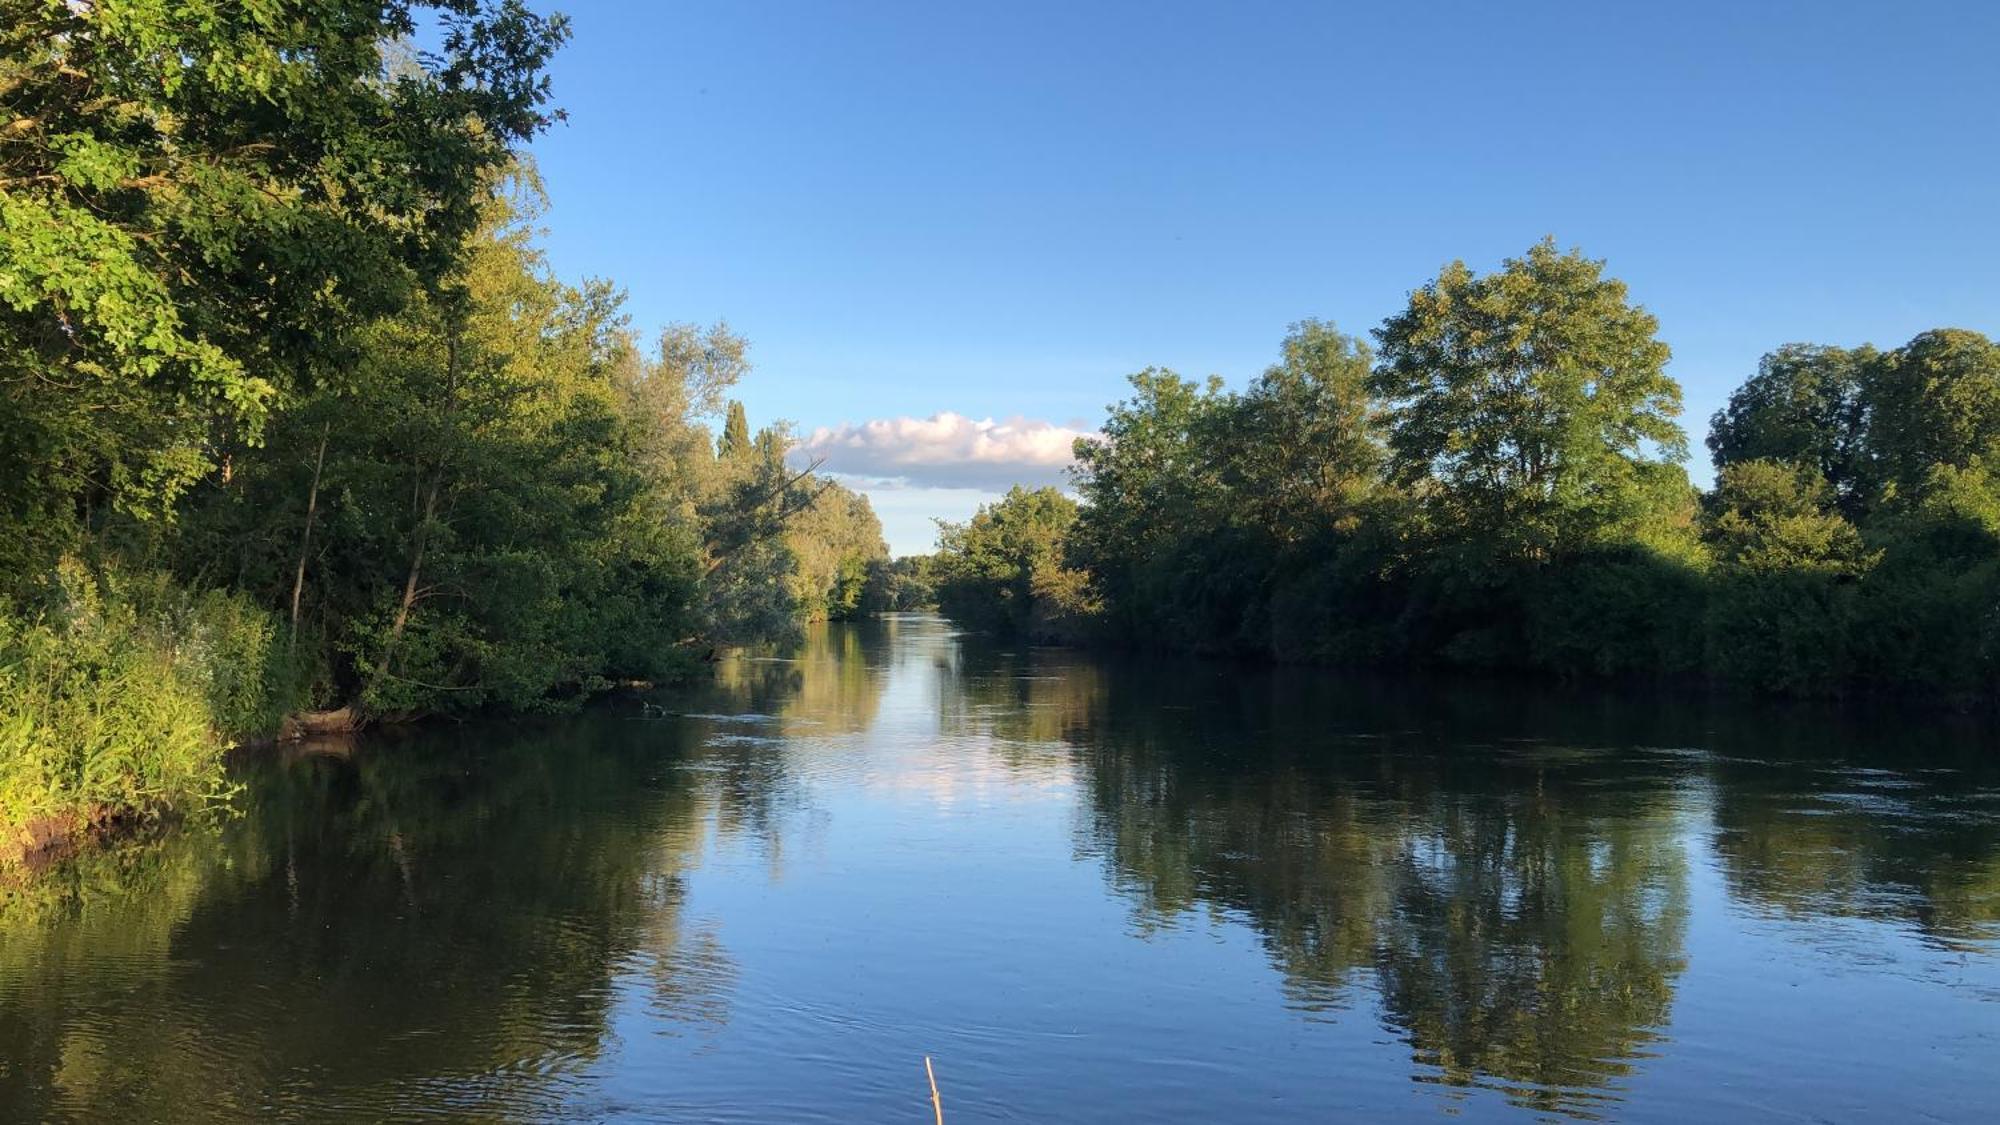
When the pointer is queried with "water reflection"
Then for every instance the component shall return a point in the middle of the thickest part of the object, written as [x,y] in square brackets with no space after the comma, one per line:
[1917,846]
[1505,871]
[384,931]
[760,896]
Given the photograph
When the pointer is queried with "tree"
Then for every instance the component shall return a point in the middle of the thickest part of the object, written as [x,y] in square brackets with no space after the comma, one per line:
[1149,484]
[901,584]
[203,200]
[735,442]
[486,534]
[669,401]
[1933,401]
[835,539]
[1005,568]
[1803,407]
[1303,443]
[1768,516]
[1930,611]
[1782,604]
[1531,406]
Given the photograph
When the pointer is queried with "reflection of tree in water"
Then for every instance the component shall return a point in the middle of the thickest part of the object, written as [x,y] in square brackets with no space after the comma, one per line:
[1534,939]
[1519,911]
[825,683]
[447,923]
[382,926]
[1519,908]
[1818,839]
[762,709]
[1026,703]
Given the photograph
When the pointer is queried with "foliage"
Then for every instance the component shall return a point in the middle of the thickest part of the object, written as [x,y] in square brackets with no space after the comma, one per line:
[482,531]
[1786,566]
[1004,568]
[1530,407]
[279,355]
[784,546]
[1929,613]
[117,688]
[901,585]
[836,540]
[201,199]
[1802,407]
[1935,401]
[1501,490]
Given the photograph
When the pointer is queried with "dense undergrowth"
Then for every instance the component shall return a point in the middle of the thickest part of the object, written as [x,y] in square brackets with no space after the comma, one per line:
[118,690]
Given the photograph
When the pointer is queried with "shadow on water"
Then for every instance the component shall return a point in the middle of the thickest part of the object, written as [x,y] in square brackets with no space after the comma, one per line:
[458,921]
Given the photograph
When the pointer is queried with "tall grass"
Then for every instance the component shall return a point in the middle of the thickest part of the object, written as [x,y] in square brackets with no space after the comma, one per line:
[120,692]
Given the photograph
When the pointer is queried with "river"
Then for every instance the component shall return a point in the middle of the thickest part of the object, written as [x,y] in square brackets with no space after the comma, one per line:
[1090,889]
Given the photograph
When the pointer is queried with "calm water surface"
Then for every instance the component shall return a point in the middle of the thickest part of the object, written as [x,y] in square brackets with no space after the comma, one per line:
[1091,890]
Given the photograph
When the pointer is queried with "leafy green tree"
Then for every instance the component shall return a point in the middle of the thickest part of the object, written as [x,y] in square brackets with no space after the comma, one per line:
[1929,618]
[1201,503]
[1150,486]
[202,200]
[901,585]
[1803,407]
[744,507]
[1787,561]
[485,534]
[835,539]
[1768,516]
[670,400]
[1005,568]
[735,442]
[1303,445]
[1531,407]
[1933,401]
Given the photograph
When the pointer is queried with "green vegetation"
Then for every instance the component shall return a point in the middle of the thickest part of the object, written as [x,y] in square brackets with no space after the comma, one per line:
[297,418]
[1004,569]
[1497,484]
[901,585]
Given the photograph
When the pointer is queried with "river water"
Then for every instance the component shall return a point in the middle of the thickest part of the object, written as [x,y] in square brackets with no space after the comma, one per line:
[1090,889]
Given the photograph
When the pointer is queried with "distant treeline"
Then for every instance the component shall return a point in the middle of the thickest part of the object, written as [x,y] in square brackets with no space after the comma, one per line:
[1497,484]
[294,416]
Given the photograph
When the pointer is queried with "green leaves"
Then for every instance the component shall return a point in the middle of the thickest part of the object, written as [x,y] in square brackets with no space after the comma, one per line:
[201,202]
[1502,488]
[1803,407]
[1766,516]
[1533,399]
[1005,569]
[1934,401]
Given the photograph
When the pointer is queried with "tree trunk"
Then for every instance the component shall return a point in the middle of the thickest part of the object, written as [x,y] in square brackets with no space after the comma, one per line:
[305,540]
[427,487]
[410,587]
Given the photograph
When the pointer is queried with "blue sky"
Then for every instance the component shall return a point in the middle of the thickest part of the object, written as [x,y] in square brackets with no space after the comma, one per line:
[999,211]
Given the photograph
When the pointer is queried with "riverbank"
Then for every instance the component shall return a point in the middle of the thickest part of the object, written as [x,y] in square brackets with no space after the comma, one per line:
[121,696]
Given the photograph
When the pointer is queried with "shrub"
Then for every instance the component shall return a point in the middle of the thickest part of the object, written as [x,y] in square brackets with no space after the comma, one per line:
[119,693]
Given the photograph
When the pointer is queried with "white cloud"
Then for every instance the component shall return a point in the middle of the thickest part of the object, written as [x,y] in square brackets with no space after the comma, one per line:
[946,450]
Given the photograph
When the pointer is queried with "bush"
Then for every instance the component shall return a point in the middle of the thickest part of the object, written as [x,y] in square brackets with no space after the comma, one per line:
[118,695]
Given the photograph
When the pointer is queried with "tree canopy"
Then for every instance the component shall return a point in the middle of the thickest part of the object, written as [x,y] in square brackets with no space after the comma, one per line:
[1531,407]
[202,201]
[1500,486]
